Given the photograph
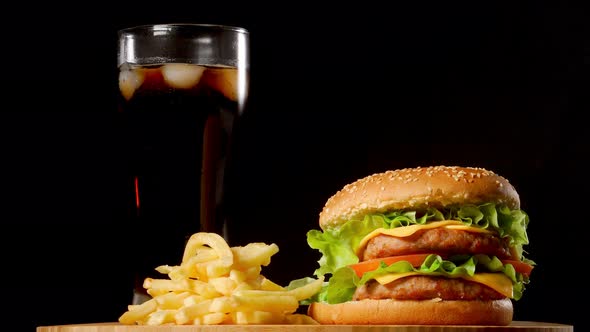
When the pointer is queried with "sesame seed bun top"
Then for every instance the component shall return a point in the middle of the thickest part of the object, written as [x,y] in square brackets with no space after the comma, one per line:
[436,186]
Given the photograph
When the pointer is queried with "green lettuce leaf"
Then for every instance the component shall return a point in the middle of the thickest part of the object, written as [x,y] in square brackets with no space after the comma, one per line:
[296,283]
[338,245]
[344,281]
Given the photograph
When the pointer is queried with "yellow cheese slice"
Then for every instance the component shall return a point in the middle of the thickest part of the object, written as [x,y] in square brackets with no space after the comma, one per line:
[387,278]
[405,231]
[470,229]
[496,281]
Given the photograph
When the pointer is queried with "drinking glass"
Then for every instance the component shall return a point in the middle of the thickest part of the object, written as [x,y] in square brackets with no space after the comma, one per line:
[183,89]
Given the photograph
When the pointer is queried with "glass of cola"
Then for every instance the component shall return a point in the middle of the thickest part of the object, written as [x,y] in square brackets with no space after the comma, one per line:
[182,91]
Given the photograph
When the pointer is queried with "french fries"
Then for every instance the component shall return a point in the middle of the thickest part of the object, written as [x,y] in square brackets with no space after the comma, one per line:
[216,284]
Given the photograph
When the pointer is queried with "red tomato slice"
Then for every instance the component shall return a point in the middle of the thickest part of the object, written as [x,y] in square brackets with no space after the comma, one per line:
[520,267]
[373,264]
[417,260]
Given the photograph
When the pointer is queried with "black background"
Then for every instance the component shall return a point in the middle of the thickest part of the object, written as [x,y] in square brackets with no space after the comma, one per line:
[338,92]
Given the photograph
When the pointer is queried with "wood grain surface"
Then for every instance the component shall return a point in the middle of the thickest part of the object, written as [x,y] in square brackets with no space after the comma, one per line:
[517,326]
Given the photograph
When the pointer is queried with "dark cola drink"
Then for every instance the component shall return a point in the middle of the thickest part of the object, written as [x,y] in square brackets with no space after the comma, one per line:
[178,120]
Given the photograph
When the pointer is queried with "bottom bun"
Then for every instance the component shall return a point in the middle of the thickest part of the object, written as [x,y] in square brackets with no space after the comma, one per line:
[397,312]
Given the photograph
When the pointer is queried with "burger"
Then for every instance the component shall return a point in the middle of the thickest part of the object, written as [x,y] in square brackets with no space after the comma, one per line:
[433,245]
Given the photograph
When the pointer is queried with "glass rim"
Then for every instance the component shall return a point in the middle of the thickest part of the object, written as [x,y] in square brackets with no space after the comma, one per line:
[167,26]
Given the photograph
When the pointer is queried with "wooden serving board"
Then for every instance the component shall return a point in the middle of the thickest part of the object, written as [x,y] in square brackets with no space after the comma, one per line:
[517,326]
